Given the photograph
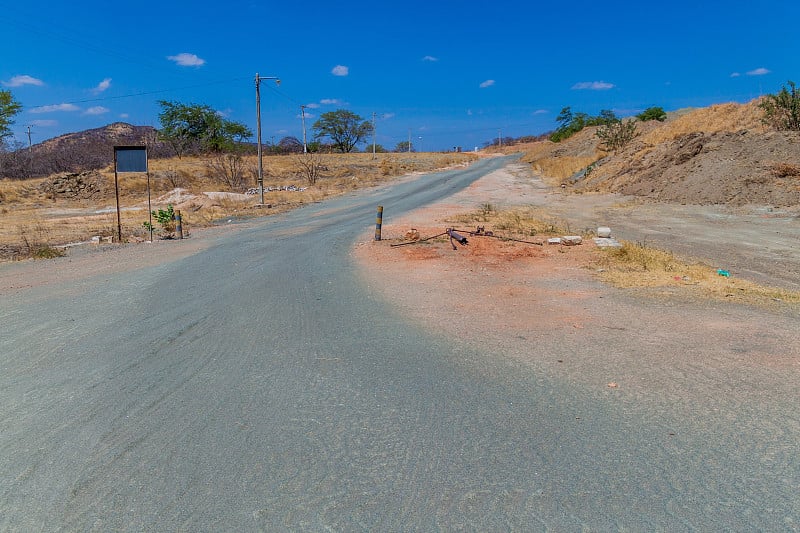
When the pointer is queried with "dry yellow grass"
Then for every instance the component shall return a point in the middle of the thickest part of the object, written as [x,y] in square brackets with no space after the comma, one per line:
[634,266]
[730,117]
[638,266]
[29,216]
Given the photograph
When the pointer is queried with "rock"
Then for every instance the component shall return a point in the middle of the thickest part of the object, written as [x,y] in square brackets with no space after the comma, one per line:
[604,232]
[571,240]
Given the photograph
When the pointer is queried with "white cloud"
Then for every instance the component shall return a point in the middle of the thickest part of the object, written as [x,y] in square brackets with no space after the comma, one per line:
[124,115]
[96,110]
[735,74]
[312,106]
[487,83]
[307,114]
[44,123]
[102,86]
[52,108]
[19,81]
[340,70]
[430,59]
[758,72]
[331,101]
[593,86]
[387,116]
[187,60]
[540,112]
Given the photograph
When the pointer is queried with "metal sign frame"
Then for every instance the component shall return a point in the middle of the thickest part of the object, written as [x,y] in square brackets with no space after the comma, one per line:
[131,159]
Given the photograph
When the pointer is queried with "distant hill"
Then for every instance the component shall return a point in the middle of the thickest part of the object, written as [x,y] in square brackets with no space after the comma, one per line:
[75,152]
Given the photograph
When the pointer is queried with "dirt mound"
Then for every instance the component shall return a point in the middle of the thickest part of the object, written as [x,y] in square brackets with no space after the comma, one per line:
[75,186]
[722,154]
[700,168]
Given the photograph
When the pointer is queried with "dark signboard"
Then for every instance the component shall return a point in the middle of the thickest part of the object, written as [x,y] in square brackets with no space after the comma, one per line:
[130,158]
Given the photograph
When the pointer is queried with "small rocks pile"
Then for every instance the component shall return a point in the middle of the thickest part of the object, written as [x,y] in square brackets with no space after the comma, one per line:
[80,186]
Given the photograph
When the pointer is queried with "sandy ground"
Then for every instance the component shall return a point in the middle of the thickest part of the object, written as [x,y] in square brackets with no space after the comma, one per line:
[543,306]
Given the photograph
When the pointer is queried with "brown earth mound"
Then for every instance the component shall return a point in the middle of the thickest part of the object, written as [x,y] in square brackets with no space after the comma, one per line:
[722,154]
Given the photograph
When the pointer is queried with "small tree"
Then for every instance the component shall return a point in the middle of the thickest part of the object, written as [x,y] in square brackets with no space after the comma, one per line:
[652,113]
[344,128]
[9,108]
[227,168]
[404,146]
[617,135]
[310,166]
[782,110]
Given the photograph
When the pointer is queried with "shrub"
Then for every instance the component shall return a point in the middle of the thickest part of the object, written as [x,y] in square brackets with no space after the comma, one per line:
[782,110]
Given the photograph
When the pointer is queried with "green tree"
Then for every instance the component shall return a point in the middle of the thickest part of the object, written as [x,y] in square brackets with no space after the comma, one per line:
[8,110]
[652,113]
[782,110]
[344,128]
[404,146]
[198,128]
[618,134]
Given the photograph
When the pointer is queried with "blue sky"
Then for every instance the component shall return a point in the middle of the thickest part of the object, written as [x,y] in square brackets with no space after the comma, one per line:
[444,73]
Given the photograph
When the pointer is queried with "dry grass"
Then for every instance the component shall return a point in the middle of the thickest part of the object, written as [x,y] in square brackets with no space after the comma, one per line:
[26,212]
[716,118]
[640,266]
[520,222]
[632,266]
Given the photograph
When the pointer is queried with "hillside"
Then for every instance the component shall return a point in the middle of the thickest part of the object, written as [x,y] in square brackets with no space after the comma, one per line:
[75,152]
[722,154]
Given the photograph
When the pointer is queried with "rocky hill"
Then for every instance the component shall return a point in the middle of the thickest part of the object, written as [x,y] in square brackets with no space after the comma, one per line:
[76,152]
[722,154]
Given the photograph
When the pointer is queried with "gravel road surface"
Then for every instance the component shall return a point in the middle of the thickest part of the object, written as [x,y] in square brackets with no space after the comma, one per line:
[255,382]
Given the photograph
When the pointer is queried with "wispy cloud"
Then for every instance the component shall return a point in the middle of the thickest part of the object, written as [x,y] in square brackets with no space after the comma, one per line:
[312,106]
[24,79]
[102,86]
[540,112]
[487,83]
[735,74]
[57,107]
[758,72]
[187,60]
[387,116]
[96,110]
[331,101]
[430,59]
[124,115]
[340,70]
[44,123]
[593,86]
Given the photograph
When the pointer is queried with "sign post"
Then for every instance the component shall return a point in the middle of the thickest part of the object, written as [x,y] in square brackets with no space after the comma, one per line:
[131,159]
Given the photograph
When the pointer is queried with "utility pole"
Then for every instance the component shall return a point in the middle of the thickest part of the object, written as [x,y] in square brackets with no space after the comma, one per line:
[258,122]
[29,139]
[373,135]
[303,115]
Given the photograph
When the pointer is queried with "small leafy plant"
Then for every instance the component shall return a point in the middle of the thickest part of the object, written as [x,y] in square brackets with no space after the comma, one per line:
[165,219]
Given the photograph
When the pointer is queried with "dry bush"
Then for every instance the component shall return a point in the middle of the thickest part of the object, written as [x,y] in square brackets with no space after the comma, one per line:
[785,170]
[561,168]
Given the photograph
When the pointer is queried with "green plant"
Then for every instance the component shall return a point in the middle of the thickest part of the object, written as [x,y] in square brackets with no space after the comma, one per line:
[617,134]
[782,110]
[166,219]
[652,113]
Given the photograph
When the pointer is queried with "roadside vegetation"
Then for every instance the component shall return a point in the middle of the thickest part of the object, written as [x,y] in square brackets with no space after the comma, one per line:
[635,266]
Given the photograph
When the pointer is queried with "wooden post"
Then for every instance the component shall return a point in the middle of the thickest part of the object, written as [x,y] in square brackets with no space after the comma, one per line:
[178,224]
[378,223]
